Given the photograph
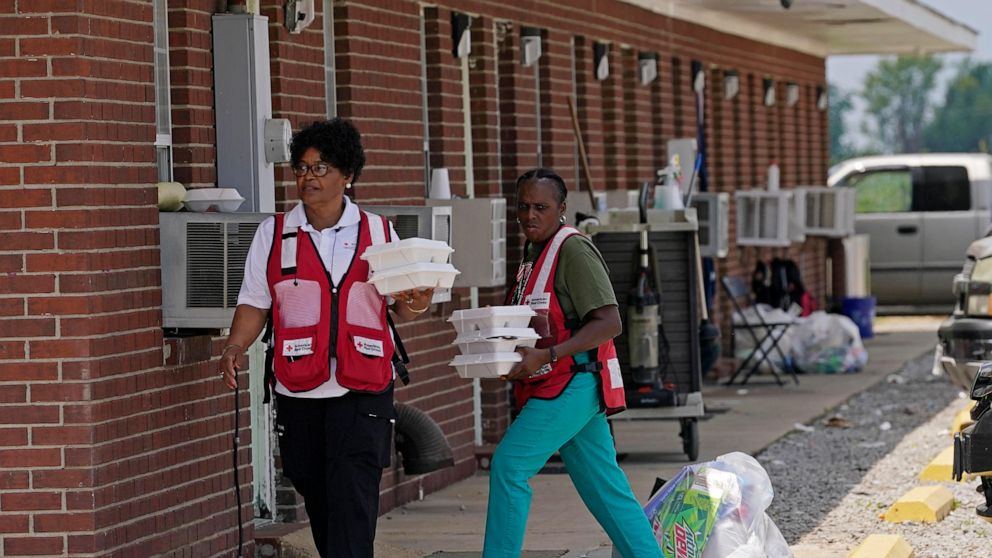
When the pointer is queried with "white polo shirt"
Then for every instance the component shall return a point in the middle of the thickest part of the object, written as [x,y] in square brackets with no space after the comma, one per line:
[336,246]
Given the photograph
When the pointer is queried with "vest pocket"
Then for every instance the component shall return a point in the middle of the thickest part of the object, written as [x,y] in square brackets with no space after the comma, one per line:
[366,365]
[296,302]
[301,362]
[364,306]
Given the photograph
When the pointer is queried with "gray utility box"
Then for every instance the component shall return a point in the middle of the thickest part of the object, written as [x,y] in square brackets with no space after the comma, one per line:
[244,102]
[478,235]
[203,263]
[675,245]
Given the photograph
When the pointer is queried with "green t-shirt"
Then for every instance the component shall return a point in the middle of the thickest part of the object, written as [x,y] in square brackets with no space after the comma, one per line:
[582,280]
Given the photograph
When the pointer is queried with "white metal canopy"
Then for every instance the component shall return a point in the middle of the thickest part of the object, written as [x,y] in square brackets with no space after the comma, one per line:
[828,27]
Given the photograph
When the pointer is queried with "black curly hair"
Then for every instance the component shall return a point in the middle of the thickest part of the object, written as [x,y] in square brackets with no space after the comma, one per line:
[545,174]
[338,141]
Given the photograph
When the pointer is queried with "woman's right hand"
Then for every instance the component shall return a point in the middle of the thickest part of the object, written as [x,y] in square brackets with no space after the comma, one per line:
[229,365]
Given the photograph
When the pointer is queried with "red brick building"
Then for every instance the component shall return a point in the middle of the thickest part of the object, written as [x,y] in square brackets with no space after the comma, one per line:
[115,435]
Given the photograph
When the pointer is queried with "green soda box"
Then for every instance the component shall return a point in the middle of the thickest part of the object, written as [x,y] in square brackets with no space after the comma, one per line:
[687,510]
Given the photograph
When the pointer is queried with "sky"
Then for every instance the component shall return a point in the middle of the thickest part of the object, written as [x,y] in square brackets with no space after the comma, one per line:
[849,72]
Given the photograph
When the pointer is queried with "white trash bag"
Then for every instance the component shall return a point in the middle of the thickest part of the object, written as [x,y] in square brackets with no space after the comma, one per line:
[716,510]
[744,342]
[827,344]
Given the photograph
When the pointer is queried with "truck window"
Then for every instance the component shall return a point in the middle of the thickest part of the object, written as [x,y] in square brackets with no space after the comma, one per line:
[882,191]
[942,189]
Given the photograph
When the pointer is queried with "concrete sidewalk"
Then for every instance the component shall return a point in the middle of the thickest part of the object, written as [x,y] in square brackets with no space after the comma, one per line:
[450,523]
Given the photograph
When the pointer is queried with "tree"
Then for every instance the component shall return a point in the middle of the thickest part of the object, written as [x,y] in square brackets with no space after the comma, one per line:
[898,95]
[840,105]
[964,121]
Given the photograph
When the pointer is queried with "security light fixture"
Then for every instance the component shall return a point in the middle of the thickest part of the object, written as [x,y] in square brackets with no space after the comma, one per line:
[530,45]
[822,102]
[647,65]
[461,39]
[769,89]
[731,84]
[786,3]
[791,94]
[601,60]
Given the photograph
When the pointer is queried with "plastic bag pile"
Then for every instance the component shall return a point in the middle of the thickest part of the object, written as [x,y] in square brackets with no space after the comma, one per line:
[819,343]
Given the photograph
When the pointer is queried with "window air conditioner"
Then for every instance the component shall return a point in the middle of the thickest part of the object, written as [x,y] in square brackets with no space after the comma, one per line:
[829,211]
[203,263]
[713,211]
[763,218]
[480,250]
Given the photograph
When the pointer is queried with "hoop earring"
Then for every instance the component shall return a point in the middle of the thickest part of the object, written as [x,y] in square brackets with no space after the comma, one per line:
[347,186]
[561,220]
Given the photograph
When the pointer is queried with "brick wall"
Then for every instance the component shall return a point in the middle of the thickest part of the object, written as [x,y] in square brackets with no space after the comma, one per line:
[106,448]
[115,439]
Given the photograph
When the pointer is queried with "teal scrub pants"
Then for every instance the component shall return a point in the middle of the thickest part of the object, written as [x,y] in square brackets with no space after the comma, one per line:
[573,425]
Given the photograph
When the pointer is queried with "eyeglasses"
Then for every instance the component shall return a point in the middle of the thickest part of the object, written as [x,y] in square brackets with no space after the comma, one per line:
[318,169]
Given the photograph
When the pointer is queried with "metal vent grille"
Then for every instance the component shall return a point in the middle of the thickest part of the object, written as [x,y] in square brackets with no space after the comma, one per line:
[407,226]
[215,259]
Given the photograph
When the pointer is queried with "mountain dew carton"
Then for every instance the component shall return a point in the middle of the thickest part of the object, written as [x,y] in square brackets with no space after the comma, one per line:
[683,512]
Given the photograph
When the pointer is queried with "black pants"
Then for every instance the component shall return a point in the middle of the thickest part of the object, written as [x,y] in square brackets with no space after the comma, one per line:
[334,451]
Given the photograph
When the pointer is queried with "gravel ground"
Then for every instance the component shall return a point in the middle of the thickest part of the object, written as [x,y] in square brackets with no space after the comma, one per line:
[832,483]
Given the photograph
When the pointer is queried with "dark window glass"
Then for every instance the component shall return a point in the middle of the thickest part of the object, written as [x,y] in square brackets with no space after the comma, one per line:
[942,189]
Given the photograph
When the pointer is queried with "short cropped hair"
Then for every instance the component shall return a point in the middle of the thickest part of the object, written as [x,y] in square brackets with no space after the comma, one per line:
[338,142]
[545,174]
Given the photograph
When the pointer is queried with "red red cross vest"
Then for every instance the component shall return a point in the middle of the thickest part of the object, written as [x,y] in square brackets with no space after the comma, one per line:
[550,323]
[313,319]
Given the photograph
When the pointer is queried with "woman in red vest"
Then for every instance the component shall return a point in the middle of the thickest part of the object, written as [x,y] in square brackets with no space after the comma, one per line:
[331,349]
[565,386]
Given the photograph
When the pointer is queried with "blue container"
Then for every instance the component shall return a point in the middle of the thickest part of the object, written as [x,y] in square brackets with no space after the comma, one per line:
[861,310]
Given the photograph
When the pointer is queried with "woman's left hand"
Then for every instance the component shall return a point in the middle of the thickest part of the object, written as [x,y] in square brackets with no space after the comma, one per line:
[415,300]
[533,360]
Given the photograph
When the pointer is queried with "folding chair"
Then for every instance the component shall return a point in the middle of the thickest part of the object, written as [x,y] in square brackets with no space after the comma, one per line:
[769,331]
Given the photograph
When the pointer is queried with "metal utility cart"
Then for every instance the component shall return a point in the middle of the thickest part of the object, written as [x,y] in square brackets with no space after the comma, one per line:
[672,237]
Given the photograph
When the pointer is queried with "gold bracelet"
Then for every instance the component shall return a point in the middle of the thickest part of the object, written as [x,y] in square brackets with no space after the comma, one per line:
[421,311]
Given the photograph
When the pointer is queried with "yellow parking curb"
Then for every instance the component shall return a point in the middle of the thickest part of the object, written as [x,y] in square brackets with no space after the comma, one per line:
[941,468]
[883,546]
[963,419]
[927,504]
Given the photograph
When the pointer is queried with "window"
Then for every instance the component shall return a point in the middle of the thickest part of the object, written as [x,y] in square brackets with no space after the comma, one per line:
[882,191]
[942,189]
[163,101]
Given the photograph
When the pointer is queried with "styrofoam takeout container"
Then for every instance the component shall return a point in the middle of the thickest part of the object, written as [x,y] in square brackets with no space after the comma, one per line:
[224,200]
[498,340]
[490,365]
[491,317]
[414,276]
[406,251]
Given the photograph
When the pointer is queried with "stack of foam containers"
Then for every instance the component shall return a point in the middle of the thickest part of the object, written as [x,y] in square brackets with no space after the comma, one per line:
[488,337]
[411,263]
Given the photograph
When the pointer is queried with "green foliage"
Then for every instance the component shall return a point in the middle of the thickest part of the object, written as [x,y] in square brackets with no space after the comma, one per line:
[897,94]
[963,123]
[882,192]
[840,105]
